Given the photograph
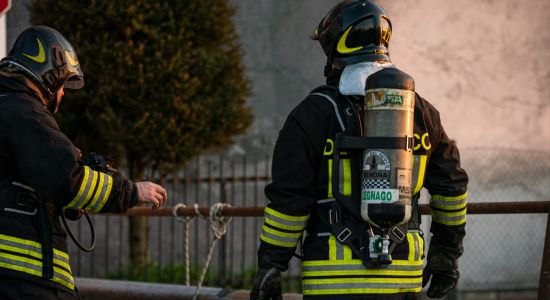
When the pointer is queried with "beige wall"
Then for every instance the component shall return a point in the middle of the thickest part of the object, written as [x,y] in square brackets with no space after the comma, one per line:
[484,64]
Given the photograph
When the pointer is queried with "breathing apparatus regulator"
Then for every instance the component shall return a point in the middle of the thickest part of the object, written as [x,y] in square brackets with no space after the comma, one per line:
[98,163]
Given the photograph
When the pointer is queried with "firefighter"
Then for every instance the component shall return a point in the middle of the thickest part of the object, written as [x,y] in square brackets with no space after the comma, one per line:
[355,36]
[41,171]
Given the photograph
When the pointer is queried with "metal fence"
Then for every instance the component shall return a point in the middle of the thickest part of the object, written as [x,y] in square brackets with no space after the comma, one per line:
[502,252]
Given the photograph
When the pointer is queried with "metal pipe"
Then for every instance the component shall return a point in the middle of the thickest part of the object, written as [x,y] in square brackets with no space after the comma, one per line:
[534,207]
[127,290]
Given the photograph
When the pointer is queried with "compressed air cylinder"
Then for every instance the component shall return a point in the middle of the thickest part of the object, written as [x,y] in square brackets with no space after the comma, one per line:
[386,190]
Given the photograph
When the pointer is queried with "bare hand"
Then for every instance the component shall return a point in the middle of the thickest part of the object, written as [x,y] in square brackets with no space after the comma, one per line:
[149,192]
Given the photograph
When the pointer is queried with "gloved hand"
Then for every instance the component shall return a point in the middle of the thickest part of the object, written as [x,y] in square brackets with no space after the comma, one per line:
[267,285]
[442,268]
[73,214]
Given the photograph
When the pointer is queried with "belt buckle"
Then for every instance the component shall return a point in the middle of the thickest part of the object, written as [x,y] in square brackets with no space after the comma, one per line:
[345,232]
[400,235]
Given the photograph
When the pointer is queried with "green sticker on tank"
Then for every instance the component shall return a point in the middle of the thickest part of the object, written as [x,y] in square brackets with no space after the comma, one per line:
[389,99]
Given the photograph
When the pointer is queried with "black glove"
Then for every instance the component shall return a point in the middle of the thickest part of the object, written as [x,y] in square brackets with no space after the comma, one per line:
[267,285]
[442,267]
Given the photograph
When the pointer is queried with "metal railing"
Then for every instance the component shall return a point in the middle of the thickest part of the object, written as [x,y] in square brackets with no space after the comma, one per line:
[536,207]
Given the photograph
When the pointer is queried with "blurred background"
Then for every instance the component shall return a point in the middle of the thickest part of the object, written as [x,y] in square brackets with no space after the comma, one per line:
[483,64]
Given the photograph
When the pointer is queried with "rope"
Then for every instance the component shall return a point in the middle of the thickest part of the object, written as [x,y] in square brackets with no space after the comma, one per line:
[218,225]
[185,221]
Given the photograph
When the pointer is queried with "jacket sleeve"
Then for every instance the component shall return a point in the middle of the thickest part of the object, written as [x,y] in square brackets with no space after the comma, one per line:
[50,163]
[447,183]
[293,191]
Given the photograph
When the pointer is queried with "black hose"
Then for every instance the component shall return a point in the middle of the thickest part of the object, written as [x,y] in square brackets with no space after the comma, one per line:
[75,240]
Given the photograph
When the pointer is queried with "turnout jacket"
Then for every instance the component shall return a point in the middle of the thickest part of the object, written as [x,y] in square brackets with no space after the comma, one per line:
[301,196]
[41,173]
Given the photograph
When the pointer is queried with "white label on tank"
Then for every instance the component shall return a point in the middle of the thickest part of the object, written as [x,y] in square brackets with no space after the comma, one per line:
[379,196]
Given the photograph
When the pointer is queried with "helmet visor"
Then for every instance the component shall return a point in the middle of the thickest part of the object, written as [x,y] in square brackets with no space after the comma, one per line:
[368,32]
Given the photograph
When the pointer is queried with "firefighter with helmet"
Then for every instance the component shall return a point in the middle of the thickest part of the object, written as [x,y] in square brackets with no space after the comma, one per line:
[42,173]
[355,35]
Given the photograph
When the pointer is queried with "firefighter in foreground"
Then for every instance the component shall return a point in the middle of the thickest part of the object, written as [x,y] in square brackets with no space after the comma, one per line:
[42,173]
[355,36]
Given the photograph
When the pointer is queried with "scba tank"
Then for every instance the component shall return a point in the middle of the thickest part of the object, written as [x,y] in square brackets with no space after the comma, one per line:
[386,191]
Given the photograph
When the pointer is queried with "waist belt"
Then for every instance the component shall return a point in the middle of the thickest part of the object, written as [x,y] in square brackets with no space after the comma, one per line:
[18,198]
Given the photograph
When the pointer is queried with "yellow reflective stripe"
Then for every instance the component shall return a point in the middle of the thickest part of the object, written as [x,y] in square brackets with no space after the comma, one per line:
[32,248]
[420,245]
[21,251]
[91,191]
[97,192]
[277,214]
[347,253]
[361,291]
[396,262]
[449,218]
[449,203]
[347,177]
[361,285]
[63,277]
[293,235]
[413,280]
[412,245]
[63,283]
[330,179]
[421,172]
[332,247]
[369,272]
[283,221]
[20,268]
[277,243]
[450,198]
[60,253]
[17,240]
[102,193]
[83,184]
[106,194]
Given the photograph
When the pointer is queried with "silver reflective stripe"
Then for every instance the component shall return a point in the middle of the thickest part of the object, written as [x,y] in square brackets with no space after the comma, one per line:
[102,190]
[361,285]
[22,264]
[444,219]
[416,247]
[279,238]
[339,250]
[284,222]
[22,212]
[61,258]
[335,109]
[19,184]
[440,203]
[325,200]
[31,248]
[62,276]
[323,233]
[357,267]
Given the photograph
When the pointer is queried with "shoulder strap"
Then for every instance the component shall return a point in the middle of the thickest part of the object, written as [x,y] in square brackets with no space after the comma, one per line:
[342,108]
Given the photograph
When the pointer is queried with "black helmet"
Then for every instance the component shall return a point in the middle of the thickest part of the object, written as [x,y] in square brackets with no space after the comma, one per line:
[354,31]
[48,58]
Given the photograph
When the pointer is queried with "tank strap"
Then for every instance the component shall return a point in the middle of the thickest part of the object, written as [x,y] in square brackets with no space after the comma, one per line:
[45,231]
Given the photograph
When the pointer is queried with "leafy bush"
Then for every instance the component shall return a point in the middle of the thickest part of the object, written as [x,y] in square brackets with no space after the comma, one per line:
[164,79]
